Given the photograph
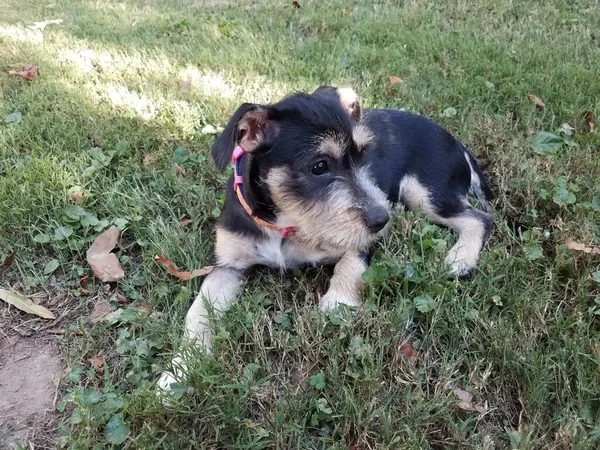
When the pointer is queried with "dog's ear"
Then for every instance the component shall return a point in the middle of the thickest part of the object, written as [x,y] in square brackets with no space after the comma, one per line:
[347,98]
[246,128]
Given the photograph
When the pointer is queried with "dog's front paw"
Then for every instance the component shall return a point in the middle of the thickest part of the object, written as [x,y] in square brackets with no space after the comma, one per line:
[167,378]
[332,299]
[462,263]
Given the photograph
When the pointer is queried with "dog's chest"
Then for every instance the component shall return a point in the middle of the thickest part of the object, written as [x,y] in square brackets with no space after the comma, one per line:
[288,254]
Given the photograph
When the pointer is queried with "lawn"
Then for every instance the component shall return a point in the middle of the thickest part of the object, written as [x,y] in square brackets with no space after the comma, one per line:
[126,89]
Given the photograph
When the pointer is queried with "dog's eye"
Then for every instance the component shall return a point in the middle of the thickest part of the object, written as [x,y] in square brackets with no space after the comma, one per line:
[319,168]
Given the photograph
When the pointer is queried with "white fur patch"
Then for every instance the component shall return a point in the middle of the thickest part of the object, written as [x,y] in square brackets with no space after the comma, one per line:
[348,98]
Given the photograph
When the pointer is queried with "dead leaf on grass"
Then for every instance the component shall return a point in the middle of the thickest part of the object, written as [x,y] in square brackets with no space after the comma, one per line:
[24,304]
[148,159]
[173,270]
[105,264]
[394,80]
[296,4]
[589,120]
[185,222]
[8,261]
[121,299]
[100,311]
[76,197]
[97,362]
[42,25]
[178,168]
[408,351]
[536,101]
[572,245]
[465,401]
[29,72]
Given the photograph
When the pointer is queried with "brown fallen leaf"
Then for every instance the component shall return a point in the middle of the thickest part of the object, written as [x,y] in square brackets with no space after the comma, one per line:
[173,270]
[100,311]
[572,245]
[185,86]
[97,362]
[394,80]
[536,100]
[589,120]
[178,168]
[24,304]
[296,4]
[408,351]
[121,299]
[8,261]
[465,401]
[185,222]
[105,264]
[76,197]
[148,159]
[29,72]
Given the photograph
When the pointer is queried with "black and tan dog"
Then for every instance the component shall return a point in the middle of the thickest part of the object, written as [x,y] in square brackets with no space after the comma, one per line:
[315,180]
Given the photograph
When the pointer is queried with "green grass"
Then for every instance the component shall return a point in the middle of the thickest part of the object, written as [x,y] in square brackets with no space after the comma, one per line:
[523,335]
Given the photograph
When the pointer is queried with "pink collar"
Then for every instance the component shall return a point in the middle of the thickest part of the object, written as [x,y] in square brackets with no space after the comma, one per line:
[238,187]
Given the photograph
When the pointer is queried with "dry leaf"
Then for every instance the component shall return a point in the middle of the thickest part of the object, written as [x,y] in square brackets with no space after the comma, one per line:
[589,120]
[8,260]
[100,311]
[148,159]
[173,270]
[408,351]
[24,304]
[345,12]
[97,362]
[296,4]
[121,298]
[185,222]
[536,100]
[178,168]
[76,196]
[572,245]
[105,264]
[394,80]
[29,72]
[185,86]
[42,25]
[465,401]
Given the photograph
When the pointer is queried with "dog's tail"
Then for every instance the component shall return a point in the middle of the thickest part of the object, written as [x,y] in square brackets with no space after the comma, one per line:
[479,187]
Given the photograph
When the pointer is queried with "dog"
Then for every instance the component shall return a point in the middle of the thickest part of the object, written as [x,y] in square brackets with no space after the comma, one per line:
[315,180]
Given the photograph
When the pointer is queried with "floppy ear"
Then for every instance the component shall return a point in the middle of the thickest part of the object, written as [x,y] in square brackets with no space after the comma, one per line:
[246,128]
[347,98]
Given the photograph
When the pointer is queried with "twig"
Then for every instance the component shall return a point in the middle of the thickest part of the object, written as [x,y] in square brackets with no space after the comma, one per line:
[63,332]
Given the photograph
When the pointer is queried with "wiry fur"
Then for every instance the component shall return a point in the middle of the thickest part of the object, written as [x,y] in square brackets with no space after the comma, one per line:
[373,159]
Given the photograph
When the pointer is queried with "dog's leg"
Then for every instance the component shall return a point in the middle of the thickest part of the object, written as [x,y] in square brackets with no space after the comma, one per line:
[448,209]
[219,290]
[472,226]
[346,284]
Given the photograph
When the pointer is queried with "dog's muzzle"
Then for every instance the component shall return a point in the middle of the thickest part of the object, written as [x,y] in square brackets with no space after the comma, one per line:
[376,217]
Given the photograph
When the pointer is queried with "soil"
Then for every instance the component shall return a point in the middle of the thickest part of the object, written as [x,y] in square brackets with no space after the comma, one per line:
[30,370]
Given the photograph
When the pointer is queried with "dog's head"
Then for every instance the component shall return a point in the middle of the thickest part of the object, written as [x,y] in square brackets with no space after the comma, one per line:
[305,167]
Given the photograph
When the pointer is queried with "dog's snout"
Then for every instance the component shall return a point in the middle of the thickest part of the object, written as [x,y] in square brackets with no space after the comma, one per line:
[376,217]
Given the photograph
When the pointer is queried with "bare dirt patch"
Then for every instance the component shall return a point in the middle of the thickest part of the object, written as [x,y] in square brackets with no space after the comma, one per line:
[30,370]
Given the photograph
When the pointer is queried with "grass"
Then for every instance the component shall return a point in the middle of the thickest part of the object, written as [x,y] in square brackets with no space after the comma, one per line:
[133,78]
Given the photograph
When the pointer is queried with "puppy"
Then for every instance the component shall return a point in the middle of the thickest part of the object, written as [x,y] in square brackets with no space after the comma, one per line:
[315,178]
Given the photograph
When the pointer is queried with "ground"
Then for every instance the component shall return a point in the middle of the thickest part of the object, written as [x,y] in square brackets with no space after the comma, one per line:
[127,90]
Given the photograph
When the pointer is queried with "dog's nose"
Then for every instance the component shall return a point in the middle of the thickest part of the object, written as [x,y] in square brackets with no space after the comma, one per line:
[376,217]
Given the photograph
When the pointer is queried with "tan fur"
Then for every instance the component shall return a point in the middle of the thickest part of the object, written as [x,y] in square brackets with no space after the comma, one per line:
[346,284]
[331,147]
[362,136]
[334,225]
[350,101]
